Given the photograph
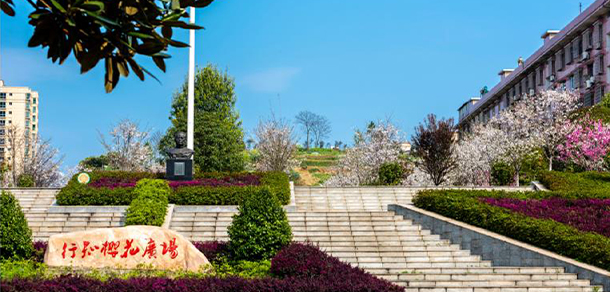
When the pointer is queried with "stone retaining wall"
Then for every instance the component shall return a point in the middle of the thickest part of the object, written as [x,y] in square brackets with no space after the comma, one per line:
[501,250]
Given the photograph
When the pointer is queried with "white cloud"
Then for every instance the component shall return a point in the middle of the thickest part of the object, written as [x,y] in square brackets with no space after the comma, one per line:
[272,80]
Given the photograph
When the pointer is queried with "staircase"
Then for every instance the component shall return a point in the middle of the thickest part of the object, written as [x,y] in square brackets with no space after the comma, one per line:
[352,224]
[45,220]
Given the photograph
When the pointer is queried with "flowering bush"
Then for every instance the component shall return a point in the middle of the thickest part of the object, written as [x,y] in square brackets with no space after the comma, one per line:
[317,272]
[585,214]
[587,144]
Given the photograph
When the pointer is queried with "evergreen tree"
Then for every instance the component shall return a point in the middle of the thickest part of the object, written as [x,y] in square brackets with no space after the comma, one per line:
[218,131]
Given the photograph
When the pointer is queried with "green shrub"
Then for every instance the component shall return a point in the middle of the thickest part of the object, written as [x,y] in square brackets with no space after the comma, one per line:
[16,236]
[464,205]
[243,269]
[532,166]
[584,184]
[150,205]
[22,269]
[502,174]
[390,174]
[260,229]
[597,112]
[25,181]
[75,193]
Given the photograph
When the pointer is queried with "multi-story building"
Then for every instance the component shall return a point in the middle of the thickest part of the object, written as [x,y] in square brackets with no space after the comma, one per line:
[19,108]
[575,58]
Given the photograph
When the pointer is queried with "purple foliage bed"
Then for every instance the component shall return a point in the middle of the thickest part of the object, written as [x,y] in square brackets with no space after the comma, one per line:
[129,182]
[590,215]
[297,267]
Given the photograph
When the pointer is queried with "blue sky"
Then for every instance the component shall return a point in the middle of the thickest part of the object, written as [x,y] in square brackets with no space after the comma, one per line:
[352,61]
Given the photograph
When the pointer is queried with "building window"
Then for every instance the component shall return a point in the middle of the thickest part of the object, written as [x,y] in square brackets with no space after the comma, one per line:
[10,112]
[33,127]
[2,132]
[2,122]
[2,141]
[34,118]
[34,100]
[2,95]
[34,109]
[2,114]
[572,82]
[2,104]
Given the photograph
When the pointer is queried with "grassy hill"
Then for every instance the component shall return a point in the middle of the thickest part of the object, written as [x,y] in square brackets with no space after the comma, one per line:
[317,165]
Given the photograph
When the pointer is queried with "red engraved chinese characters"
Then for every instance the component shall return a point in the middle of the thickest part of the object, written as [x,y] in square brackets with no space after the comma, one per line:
[171,248]
[129,250]
[72,249]
[110,248]
[151,249]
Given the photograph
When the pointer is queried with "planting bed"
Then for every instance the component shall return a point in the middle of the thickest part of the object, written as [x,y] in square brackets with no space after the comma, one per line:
[590,215]
[297,267]
[567,223]
[116,188]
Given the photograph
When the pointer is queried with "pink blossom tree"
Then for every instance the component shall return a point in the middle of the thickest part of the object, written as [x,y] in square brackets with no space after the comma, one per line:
[586,144]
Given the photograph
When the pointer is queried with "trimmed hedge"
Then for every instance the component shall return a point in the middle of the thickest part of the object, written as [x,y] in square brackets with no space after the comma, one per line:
[15,235]
[465,206]
[75,193]
[586,184]
[150,205]
[315,271]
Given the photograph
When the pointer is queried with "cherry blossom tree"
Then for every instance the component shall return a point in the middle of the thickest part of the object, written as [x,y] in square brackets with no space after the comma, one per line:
[129,148]
[548,113]
[276,146]
[375,146]
[587,144]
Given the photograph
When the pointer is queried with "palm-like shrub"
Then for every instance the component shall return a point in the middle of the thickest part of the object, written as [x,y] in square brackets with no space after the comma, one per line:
[16,239]
[260,229]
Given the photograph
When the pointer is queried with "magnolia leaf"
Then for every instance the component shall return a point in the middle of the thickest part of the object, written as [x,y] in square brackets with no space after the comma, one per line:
[93,6]
[58,6]
[6,8]
[140,35]
[160,63]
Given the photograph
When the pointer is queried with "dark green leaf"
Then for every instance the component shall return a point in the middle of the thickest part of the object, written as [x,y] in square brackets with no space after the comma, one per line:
[160,63]
[58,6]
[178,44]
[93,6]
[167,32]
[6,8]
[137,69]
[140,35]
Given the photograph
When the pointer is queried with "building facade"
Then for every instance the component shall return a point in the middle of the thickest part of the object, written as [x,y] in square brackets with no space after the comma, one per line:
[19,112]
[574,58]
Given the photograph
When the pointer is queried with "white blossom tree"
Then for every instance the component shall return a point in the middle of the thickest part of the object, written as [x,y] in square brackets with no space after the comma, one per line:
[276,146]
[532,122]
[129,148]
[32,156]
[378,145]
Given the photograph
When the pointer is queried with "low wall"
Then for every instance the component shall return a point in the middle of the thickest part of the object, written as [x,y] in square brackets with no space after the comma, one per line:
[501,250]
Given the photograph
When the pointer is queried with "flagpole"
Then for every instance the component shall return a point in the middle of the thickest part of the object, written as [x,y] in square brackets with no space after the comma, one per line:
[190,128]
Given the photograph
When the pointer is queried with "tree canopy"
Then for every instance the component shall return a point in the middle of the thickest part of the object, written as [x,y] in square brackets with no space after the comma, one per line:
[113,31]
[218,131]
